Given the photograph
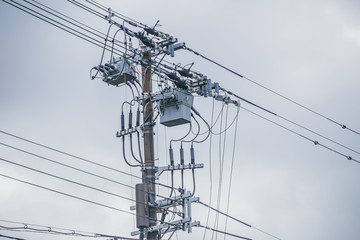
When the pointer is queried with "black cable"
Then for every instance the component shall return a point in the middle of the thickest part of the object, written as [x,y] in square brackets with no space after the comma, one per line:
[177,140]
[343,126]
[57,230]
[124,155]
[66,19]
[76,197]
[300,135]
[68,195]
[207,124]
[292,122]
[103,52]
[132,152]
[226,233]
[11,237]
[231,172]
[67,180]
[117,14]
[80,35]
[247,101]
[68,154]
[77,169]
[88,9]
[237,220]
[68,166]
[196,135]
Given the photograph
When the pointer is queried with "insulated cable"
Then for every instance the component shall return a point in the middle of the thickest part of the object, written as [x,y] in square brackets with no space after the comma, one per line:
[67,154]
[343,126]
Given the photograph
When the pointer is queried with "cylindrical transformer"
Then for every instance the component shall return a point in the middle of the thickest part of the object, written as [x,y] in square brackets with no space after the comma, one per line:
[142,211]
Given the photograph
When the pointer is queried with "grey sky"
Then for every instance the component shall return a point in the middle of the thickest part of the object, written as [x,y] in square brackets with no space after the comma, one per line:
[282,183]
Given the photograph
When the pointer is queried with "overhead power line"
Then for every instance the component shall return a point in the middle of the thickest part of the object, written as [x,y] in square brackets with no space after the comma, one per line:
[343,126]
[61,26]
[235,219]
[223,232]
[317,143]
[4,236]
[66,165]
[68,195]
[68,154]
[67,180]
[30,227]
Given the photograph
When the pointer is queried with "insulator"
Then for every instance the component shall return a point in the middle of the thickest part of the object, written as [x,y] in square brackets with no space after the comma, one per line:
[122,122]
[138,118]
[192,154]
[171,153]
[130,119]
[181,155]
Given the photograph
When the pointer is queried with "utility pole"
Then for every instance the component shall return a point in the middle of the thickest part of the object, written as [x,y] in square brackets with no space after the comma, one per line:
[148,176]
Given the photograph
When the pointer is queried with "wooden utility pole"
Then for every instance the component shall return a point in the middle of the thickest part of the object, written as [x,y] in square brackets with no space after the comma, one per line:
[148,176]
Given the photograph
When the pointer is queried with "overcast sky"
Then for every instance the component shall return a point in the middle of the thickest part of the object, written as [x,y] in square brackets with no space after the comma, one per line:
[308,51]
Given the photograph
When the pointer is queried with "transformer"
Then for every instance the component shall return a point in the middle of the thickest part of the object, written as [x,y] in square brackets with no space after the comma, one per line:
[117,72]
[175,107]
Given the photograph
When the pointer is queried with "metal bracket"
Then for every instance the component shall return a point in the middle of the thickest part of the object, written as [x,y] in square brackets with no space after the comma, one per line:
[160,170]
[128,131]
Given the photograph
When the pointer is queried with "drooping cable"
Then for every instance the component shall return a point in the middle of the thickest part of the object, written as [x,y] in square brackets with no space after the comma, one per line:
[294,123]
[231,174]
[210,170]
[343,126]
[300,135]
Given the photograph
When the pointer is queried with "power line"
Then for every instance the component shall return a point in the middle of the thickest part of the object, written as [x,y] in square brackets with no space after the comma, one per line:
[56,230]
[11,237]
[307,138]
[226,233]
[83,171]
[67,180]
[68,154]
[68,166]
[235,219]
[343,126]
[60,25]
[66,194]
[292,122]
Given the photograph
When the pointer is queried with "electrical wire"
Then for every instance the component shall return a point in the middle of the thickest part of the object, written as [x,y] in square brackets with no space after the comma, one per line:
[58,24]
[58,230]
[237,220]
[294,123]
[68,166]
[68,195]
[307,138]
[66,180]
[68,154]
[343,126]
[4,236]
[210,170]
[117,14]
[221,169]
[230,234]
[231,174]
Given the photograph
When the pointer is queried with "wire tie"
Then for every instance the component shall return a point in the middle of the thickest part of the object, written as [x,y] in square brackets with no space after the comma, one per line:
[349,158]
[25,226]
[49,229]
[343,126]
[316,142]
